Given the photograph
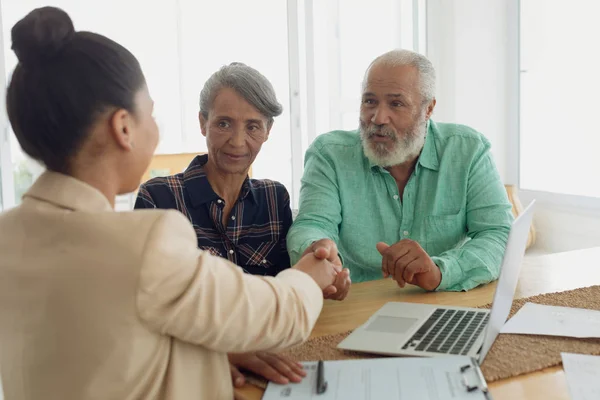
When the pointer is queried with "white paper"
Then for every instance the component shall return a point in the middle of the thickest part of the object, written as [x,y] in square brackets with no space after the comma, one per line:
[583,375]
[436,378]
[537,319]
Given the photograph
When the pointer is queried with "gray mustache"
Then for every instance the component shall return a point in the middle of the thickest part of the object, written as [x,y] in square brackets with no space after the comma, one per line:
[372,131]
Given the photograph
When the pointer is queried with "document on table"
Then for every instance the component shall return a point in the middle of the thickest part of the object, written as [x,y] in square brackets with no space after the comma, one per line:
[583,375]
[537,319]
[432,378]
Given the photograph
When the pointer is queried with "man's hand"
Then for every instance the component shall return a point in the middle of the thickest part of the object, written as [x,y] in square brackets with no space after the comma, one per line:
[340,288]
[274,367]
[407,262]
[326,249]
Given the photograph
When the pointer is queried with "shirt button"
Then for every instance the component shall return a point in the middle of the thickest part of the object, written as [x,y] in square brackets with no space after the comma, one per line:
[233,217]
[219,201]
[396,197]
[230,251]
[264,261]
[405,233]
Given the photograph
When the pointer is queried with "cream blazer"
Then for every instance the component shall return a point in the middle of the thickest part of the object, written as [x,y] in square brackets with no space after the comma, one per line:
[97,304]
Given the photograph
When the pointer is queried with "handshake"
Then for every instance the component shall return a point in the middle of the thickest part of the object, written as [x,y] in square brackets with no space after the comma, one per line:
[322,262]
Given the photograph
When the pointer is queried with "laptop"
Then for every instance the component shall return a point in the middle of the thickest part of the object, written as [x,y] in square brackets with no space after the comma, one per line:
[412,329]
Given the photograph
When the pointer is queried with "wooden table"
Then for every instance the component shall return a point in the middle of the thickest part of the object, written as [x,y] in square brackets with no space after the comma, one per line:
[543,274]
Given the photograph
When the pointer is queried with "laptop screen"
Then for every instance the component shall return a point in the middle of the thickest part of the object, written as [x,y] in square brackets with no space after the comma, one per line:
[509,276]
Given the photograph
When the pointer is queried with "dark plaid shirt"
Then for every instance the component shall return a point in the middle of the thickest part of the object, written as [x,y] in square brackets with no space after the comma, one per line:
[254,237]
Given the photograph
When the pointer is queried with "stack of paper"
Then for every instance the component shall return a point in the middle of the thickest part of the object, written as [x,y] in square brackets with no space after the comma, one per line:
[537,319]
[583,375]
[436,378]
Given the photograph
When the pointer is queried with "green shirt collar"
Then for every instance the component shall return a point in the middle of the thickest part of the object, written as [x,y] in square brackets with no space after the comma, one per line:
[429,157]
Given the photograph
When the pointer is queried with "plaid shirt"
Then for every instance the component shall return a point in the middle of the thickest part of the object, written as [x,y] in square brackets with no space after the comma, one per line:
[254,237]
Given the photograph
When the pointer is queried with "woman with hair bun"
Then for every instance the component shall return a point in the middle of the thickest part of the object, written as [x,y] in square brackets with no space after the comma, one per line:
[96,304]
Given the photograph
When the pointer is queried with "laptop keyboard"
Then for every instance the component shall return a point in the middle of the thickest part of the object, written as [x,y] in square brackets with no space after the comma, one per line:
[449,331]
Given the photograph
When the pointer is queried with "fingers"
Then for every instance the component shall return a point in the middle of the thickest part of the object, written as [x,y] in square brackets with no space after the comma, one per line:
[271,374]
[344,283]
[274,367]
[296,367]
[381,247]
[327,249]
[337,264]
[400,266]
[321,253]
[236,376]
[392,255]
[277,369]
[413,268]
[329,291]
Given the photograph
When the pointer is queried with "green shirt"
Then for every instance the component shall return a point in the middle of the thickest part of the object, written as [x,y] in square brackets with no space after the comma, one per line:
[454,205]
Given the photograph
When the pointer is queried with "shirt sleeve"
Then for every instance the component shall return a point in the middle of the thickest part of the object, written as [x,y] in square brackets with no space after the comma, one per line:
[489,219]
[320,212]
[144,199]
[206,300]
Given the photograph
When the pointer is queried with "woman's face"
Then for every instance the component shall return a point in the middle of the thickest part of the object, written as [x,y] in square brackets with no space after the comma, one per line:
[235,132]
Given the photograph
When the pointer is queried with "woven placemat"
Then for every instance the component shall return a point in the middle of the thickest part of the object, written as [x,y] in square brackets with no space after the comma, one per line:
[511,355]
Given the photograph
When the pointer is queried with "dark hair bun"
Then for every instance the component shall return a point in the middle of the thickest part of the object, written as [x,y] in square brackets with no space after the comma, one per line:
[41,34]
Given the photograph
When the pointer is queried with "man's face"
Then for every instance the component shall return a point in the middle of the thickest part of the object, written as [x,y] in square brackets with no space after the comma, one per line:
[393,118]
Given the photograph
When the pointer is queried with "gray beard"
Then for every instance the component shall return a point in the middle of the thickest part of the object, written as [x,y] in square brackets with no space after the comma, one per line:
[403,150]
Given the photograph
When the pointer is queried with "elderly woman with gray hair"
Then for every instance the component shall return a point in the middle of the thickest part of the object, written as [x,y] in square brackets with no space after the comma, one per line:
[244,220]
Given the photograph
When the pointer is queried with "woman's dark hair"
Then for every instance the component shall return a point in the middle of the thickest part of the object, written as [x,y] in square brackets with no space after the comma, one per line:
[64,80]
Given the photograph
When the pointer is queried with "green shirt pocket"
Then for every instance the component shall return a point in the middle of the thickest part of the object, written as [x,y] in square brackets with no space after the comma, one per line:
[444,232]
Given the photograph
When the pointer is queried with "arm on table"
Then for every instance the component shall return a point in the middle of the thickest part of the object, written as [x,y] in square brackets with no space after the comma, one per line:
[489,220]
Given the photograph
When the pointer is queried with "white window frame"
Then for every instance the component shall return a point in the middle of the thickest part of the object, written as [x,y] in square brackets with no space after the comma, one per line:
[295,99]
[589,205]
[8,188]
[6,169]
[513,91]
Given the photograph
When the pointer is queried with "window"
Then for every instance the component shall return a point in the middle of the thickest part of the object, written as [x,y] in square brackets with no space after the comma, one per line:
[6,176]
[153,47]
[341,40]
[559,140]
[255,34]
[351,35]
[177,54]
[314,53]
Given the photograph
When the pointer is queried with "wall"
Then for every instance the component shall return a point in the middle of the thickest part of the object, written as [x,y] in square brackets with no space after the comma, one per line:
[168,164]
[467,43]
[564,229]
[473,46]
[563,222]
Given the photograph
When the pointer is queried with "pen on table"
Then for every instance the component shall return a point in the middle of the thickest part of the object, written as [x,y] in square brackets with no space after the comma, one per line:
[321,382]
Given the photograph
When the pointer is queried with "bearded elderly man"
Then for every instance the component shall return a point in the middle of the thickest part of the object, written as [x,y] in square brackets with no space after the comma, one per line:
[405,197]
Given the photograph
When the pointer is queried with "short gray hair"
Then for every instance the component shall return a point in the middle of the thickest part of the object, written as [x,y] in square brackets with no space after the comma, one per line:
[400,57]
[248,83]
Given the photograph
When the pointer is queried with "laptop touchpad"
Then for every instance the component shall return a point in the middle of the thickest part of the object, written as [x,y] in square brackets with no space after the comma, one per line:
[391,324]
